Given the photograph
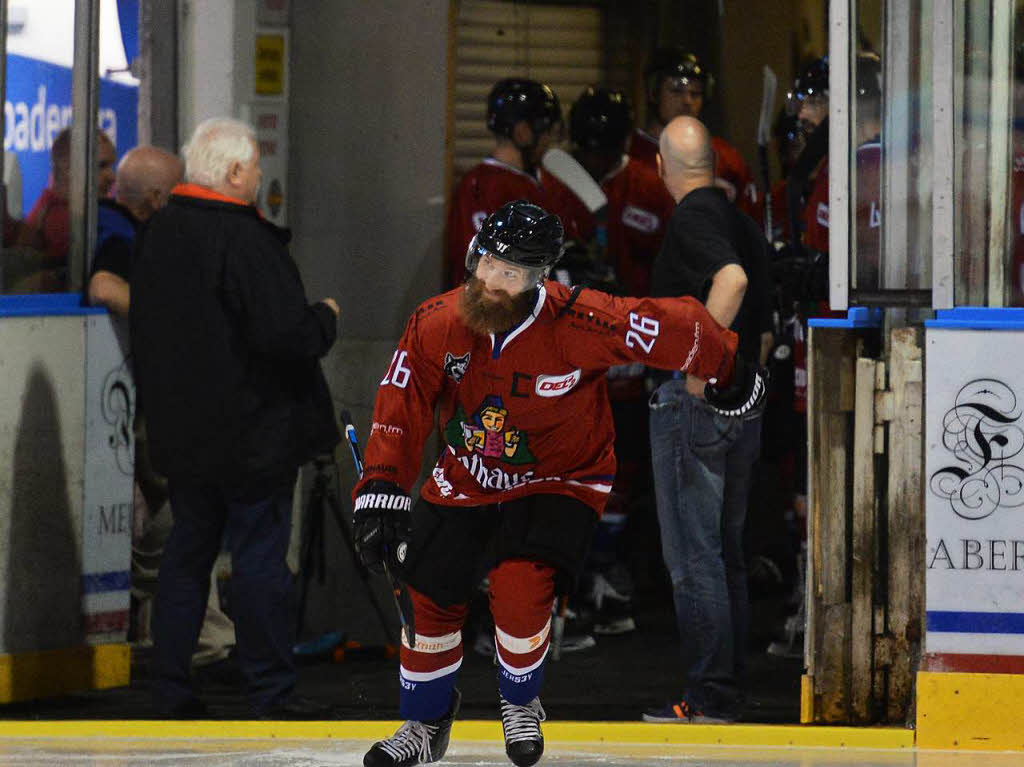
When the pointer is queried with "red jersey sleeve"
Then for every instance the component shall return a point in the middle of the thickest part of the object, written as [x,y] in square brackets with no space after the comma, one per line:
[666,333]
[403,416]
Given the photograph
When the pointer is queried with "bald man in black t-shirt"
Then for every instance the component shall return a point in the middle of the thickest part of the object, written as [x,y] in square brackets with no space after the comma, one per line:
[703,461]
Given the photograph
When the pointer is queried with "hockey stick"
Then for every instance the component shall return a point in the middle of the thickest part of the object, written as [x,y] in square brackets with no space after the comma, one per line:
[566,169]
[402,602]
[764,138]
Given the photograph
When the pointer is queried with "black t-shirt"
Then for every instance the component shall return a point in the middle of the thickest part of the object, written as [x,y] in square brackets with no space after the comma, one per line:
[706,233]
[115,240]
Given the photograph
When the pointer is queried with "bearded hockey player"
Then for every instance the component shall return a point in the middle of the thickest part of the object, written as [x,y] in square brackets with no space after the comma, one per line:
[515,366]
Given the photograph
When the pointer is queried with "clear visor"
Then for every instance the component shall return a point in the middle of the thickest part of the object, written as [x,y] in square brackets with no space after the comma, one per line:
[497,272]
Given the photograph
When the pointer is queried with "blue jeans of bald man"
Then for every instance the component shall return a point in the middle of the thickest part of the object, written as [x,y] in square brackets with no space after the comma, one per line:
[703,466]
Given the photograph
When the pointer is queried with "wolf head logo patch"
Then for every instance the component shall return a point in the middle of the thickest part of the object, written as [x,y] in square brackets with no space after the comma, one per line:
[455,367]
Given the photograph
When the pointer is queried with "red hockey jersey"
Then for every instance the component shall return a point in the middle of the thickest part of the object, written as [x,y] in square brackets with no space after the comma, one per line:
[731,171]
[527,411]
[639,208]
[489,185]
[868,218]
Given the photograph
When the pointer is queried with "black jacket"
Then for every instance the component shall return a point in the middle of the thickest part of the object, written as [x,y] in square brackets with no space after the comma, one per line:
[226,347]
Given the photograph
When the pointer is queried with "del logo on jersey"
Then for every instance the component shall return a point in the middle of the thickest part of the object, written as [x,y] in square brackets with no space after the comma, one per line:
[556,386]
[489,433]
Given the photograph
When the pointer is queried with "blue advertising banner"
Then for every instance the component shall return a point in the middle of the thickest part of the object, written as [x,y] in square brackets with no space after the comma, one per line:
[38,106]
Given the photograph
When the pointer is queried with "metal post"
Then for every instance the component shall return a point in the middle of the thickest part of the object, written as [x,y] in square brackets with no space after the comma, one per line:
[897,190]
[943,158]
[84,99]
[1000,153]
[839,124]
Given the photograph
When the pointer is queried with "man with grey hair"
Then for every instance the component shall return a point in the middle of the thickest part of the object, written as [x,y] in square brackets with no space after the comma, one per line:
[227,352]
[702,459]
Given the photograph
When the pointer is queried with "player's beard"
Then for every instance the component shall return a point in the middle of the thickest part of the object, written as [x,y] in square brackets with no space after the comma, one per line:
[485,315]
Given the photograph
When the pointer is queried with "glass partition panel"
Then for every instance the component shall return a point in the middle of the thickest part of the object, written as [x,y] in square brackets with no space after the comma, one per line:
[37,144]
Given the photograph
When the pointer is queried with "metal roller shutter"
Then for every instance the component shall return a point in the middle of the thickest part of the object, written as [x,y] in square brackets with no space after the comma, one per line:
[559,45]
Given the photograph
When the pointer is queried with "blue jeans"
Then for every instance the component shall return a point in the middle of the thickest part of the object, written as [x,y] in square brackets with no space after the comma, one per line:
[703,465]
[262,594]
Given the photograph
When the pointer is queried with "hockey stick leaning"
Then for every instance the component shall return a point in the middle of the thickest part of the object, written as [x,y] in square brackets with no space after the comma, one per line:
[402,602]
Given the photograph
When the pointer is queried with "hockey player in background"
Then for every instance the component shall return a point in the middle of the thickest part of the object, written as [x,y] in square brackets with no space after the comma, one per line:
[678,85]
[515,366]
[526,119]
[632,229]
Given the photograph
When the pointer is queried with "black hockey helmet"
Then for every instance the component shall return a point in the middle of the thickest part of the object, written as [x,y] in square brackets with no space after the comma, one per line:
[516,99]
[522,234]
[677,63]
[812,82]
[601,119]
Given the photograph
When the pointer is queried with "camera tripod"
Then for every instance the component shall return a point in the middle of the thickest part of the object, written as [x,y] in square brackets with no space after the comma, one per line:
[323,496]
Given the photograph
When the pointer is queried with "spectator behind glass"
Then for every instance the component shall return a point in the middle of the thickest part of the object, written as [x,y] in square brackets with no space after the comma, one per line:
[145,177]
[49,217]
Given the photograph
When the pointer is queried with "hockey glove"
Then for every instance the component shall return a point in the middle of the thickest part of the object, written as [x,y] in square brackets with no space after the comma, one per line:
[744,394]
[382,525]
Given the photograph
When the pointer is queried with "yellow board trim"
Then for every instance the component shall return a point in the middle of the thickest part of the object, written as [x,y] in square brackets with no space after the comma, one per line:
[467,731]
[48,673]
[970,711]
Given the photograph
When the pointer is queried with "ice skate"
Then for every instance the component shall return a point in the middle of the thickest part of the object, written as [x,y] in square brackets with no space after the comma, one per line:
[524,742]
[415,742]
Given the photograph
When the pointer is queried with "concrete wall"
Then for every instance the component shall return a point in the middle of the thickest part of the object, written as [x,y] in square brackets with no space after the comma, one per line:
[368,108]
[367,134]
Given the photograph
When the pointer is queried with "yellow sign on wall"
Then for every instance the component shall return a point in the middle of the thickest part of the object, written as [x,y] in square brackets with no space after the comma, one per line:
[268,71]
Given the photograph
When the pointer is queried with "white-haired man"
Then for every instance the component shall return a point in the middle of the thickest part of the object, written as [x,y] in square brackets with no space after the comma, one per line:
[226,351]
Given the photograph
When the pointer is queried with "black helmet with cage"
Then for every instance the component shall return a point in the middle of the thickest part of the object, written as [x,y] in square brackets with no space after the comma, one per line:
[522,234]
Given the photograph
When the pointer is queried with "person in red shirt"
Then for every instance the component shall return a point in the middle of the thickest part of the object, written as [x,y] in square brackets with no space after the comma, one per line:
[48,220]
[514,365]
[630,230]
[812,112]
[639,206]
[525,117]
[679,85]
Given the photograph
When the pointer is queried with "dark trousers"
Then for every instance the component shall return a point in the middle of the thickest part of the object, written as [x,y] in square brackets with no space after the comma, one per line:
[703,466]
[262,594]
